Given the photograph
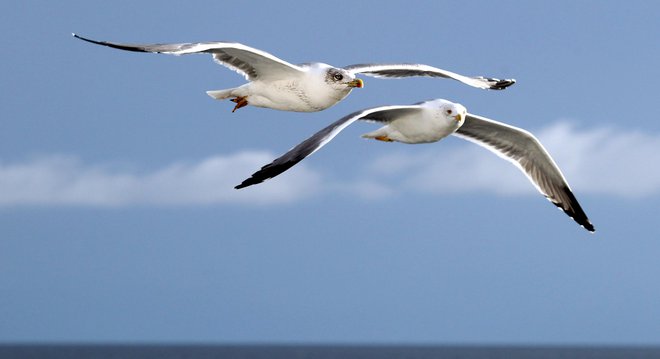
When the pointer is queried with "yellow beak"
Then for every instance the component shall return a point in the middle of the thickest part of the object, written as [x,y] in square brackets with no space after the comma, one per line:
[458,117]
[356,83]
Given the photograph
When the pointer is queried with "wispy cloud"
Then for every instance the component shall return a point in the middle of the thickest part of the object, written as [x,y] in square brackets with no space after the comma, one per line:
[60,180]
[604,160]
[607,160]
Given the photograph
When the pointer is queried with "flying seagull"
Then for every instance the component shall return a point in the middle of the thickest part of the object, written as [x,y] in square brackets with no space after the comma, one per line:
[434,120]
[277,84]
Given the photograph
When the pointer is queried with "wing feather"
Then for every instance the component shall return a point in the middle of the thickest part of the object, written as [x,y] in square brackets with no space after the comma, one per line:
[528,154]
[250,62]
[414,70]
[321,138]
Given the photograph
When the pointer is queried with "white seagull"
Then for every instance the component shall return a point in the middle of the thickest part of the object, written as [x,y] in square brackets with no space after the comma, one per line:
[434,120]
[277,84]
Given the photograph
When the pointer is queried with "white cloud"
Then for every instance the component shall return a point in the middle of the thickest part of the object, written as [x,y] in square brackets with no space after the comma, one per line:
[601,161]
[60,180]
[606,160]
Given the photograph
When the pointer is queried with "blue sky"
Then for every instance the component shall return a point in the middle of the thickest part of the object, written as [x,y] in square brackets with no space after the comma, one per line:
[119,221]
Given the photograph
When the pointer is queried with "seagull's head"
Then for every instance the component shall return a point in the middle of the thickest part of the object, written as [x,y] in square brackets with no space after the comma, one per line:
[341,79]
[451,111]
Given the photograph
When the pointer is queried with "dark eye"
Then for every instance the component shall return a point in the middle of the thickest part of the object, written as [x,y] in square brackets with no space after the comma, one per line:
[338,77]
[449,112]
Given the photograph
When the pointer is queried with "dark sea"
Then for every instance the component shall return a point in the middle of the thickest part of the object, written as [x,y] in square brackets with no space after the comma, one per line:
[319,352]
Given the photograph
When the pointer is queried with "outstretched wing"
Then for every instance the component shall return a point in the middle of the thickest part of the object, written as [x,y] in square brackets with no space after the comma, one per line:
[526,152]
[321,138]
[249,62]
[413,70]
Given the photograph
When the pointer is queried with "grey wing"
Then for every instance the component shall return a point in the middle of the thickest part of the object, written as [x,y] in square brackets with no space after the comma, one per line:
[414,70]
[526,152]
[321,138]
[250,62]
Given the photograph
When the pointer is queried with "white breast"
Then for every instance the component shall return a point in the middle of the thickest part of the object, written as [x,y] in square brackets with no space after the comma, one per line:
[301,95]
[429,127]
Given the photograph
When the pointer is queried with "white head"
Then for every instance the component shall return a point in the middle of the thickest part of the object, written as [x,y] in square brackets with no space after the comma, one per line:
[452,112]
[328,85]
[337,78]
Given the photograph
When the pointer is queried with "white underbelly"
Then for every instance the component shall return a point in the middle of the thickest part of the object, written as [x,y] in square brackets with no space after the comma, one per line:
[289,96]
[414,130]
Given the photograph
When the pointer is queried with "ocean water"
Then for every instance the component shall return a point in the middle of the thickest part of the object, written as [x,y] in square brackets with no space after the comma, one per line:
[318,352]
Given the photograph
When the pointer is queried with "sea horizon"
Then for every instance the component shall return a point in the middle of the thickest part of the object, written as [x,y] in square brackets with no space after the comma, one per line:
[53,350]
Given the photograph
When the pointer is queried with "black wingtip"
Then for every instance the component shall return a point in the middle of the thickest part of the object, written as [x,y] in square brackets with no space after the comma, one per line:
[86,39]
[249,182]
[110,44]
[242,185]
[575,211]
[589,227]
[502,84]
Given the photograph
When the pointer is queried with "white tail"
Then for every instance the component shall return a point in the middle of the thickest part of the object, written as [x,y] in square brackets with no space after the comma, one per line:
[220,94]
[381,132]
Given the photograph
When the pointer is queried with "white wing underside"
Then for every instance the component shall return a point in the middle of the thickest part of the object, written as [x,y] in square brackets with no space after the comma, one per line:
[415,70]
[525,151]
[383,114]
[252,63]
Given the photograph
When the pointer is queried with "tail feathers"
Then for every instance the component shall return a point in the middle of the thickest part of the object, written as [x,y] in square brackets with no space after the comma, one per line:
[220,94]
[375,134]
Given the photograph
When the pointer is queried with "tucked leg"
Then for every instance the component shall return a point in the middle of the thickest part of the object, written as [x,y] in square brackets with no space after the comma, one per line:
[383,138]
[241,101]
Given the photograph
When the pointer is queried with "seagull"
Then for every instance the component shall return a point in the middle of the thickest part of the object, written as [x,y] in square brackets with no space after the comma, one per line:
[277,84]
[431,121]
